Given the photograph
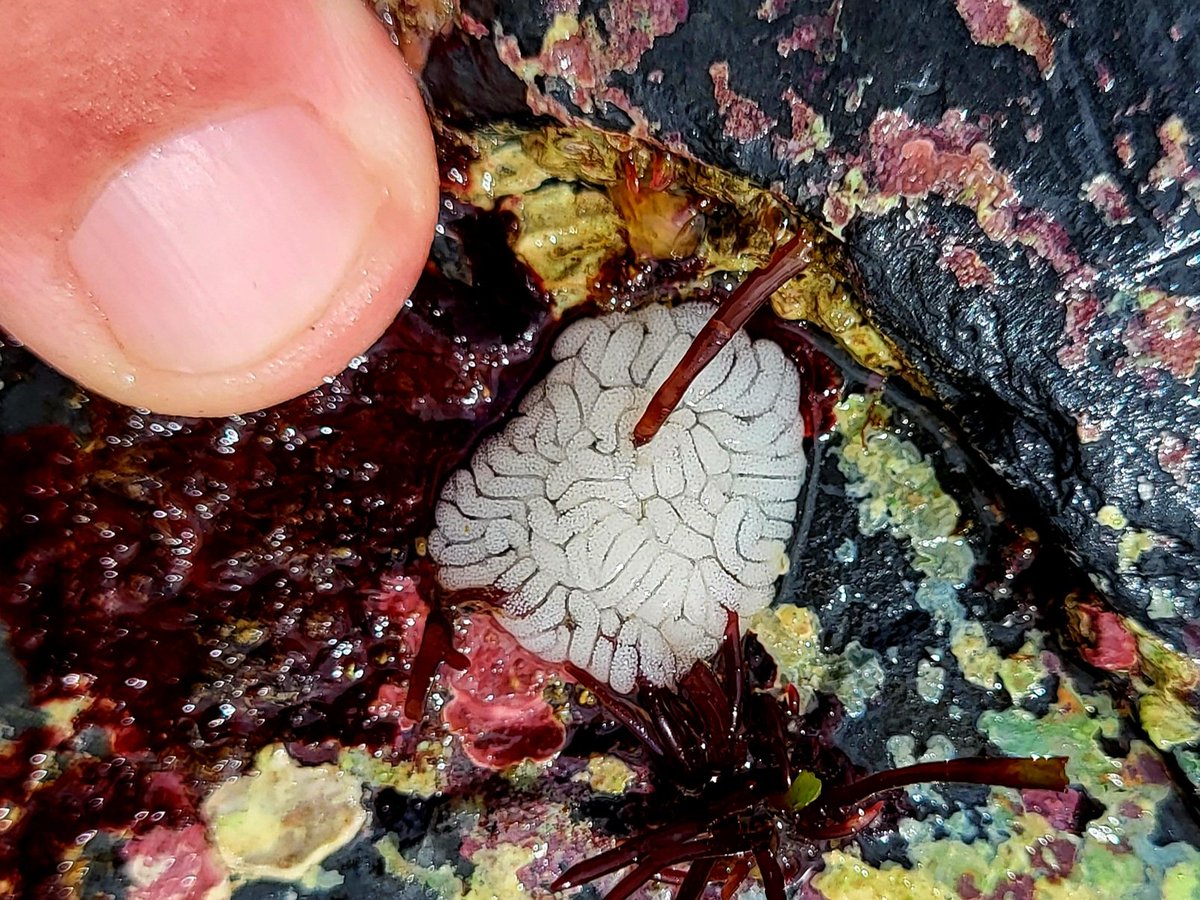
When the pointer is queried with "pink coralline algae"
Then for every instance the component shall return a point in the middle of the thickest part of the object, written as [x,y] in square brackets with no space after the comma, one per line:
[634,25]
[1105,642]
[1060,808]
[1081,318]
[173,864]
[1104,193]
[996,23]
[1175,456]
[744,119]
[1123,147]
[1175,166]
[811,34]
[774,9]
[808,132]
[953,160]
[1164,334]
[966,265]
[585,58]
[498,707]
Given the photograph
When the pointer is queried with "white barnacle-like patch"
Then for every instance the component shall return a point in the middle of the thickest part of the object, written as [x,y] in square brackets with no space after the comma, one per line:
[622,559]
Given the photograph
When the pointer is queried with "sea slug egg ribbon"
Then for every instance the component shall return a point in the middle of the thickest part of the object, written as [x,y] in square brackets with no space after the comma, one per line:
[624,559]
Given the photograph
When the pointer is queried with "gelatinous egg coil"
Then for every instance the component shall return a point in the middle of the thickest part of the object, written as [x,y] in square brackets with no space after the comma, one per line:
[623,559]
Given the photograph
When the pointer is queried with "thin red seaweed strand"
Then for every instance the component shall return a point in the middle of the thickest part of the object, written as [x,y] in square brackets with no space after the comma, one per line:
[693,885]
[693,851]
[773,882]
[437,646]
[628,714]
[624,854]
[785,264]
[1049,773]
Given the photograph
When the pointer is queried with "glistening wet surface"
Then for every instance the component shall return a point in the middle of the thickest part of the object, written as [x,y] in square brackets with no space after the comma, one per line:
[188,603]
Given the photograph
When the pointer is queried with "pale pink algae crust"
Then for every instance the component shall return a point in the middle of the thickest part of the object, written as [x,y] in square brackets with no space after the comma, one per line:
[1060,808]
[900,159]
[808,132]
[552,835]
[953,160]
[770,10]
[1107,196]
[1175,456]
[1164,334]
[744,119]
[585,57]
[498,706]
[1175,166]
[966,265]
[1112,648]
[174,864]
[996,23]
[1123,147]
[811,34]
[1080,320]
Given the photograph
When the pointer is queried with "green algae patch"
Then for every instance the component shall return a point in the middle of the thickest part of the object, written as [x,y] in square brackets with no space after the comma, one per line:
[1022,674]
[495,874]
[503,168]
[1168,682]
[1111,517]
[442,881]
[1189,764]
[608,775]
[898,490]
[422,775]
[1016,845]
[792,635]
[1131,545]
[1074,729]
[636,204]
[566,235]
[1168,721]
[1120,845]
[1182,882]
[931,681]
[1019,847]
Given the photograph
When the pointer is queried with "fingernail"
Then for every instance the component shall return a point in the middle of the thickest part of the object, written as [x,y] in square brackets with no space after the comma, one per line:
[213,250]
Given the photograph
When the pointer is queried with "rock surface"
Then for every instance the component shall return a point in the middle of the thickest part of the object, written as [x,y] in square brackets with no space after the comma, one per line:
[1017,183]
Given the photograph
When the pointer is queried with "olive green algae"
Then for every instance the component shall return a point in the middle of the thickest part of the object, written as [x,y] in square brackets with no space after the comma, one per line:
[1116,851]
[1023,843]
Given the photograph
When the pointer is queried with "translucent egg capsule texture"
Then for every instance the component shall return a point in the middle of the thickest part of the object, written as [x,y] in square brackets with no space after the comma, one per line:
[623,559]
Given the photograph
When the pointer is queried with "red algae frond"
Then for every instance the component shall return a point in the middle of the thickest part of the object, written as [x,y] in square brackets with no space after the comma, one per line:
[724,746]
[437,647]
[785,264]
[498,707]
[846,809]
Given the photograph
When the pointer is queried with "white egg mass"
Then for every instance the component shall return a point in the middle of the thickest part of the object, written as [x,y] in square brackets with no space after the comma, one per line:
[624,559]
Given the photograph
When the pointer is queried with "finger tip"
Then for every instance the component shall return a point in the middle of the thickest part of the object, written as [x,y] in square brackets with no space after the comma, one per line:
[360,310]
[315,308]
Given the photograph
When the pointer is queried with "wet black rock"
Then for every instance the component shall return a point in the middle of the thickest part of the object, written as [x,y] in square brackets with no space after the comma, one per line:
[1117,426]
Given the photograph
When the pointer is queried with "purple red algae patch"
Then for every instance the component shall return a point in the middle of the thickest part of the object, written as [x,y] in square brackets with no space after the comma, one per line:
[996,23]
